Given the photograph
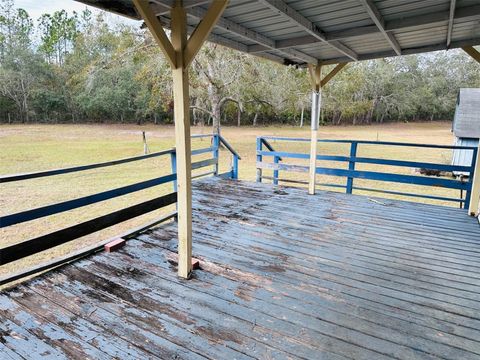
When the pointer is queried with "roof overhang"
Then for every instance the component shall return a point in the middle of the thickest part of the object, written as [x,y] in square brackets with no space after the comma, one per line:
[328,31]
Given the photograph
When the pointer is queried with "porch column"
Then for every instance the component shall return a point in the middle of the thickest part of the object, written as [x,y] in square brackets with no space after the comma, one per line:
[315,79]
[180,52]
[473,209]
[317,84]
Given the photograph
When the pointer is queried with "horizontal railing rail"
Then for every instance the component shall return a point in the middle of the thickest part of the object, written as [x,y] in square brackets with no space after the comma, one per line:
[26,176]
[351,173]
[41,243]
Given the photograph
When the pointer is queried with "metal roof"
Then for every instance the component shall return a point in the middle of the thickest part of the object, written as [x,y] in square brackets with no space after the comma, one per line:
[329,31]
[466,123]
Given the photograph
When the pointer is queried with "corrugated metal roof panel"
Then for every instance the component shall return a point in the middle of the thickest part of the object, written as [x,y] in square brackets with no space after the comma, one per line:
[463,157]
[417,25]
[466,122]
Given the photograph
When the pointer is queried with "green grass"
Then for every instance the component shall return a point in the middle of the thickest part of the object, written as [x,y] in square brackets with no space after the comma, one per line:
[27,148]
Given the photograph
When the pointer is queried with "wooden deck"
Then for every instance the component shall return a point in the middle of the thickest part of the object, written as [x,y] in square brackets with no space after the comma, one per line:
[284,276]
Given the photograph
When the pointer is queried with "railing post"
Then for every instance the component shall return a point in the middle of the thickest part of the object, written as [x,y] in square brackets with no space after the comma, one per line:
[474,194]
[351,166]
[234,167]
[215,153]
[173,160]
[259,159]
[276,160]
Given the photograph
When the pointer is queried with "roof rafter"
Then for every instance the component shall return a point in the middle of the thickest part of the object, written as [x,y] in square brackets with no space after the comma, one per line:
[308,26]
[469,12]
[453,4]
[221,40]
[408,51]
[240,30]
[377,18]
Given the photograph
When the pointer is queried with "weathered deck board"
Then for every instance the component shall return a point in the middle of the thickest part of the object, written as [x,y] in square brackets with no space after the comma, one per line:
[284,275]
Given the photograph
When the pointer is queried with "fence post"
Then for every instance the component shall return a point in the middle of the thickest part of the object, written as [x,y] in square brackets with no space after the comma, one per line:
[474,195]
[173,160]
[276,159]
[234,167]
[215,153]
[351,166]
[259,159]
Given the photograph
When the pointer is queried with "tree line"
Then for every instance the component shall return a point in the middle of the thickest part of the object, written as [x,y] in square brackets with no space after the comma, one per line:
[79,68]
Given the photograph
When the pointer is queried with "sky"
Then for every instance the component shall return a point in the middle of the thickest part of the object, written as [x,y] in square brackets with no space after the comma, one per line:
[36,8]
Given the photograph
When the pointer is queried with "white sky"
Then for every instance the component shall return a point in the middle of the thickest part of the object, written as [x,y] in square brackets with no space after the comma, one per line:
[36,8]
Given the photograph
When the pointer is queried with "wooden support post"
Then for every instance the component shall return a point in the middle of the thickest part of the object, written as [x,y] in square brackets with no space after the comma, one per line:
[351,166]
[182,140]
[180,52]
[173,161]
[259,159]
[234,167]
[276,160]
[216,151]
[315,78]
[317,85]
[473,208]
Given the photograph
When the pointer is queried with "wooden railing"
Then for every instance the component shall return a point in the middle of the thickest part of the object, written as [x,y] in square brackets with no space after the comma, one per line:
[41,243]
[265,149]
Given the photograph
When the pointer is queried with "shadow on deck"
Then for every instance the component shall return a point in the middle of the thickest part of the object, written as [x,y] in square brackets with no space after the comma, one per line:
[283,275]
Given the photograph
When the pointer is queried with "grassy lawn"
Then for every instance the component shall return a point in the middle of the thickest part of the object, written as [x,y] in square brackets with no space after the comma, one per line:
[27,148]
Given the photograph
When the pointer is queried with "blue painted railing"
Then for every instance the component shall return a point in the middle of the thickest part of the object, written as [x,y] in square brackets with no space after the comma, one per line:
[44,242]
[265,149]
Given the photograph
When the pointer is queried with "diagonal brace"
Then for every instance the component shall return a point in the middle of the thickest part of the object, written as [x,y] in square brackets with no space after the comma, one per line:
[203,30]
[157,31]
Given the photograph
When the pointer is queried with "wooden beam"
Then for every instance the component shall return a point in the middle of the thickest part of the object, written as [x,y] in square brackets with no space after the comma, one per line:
[473,209]
[380,22]
[474,53]
[297,18]
[164,6]
[182,139]
[315,72]
[156,29]
[451,20]
[315,80]
[332,73]
[221,40]
[203,30]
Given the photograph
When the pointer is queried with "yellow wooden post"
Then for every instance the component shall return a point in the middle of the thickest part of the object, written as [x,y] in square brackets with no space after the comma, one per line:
[315,78]
[474,209]
[182,140]
[180,52]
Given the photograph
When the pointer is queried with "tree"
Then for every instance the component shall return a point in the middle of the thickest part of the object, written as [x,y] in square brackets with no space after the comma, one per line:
[58,32]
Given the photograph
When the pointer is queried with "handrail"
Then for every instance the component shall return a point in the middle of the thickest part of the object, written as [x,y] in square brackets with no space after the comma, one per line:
[351,173]
[32,246]
[372,142]
[83,252]
[229,147]
[364,160]
[48,210]
[25,176]
[268,145]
